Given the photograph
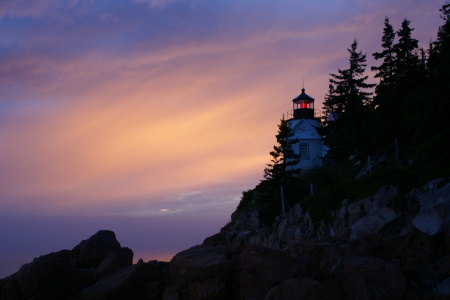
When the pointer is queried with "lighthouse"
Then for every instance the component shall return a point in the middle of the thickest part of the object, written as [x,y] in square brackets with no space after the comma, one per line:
[304,126]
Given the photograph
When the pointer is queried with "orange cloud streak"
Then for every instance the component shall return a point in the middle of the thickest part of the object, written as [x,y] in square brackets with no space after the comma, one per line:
[176,118]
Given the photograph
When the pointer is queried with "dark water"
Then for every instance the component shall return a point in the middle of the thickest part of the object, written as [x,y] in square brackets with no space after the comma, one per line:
[23,238]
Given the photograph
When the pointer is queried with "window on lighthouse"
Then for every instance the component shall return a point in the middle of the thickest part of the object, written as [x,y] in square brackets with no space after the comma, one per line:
[304,150]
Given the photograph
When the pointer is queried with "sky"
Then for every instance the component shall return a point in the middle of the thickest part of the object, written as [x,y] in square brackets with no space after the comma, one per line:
[151,117]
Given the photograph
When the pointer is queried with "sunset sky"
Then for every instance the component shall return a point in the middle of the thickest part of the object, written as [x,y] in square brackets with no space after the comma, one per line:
[150,117]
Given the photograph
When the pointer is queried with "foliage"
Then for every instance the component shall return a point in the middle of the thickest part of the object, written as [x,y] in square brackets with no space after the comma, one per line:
[346,92]
[284,159]
[348,98]
[386,69]
[266,197]
[278,177]
[406,57]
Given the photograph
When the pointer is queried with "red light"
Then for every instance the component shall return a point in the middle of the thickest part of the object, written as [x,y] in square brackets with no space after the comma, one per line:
[303,105]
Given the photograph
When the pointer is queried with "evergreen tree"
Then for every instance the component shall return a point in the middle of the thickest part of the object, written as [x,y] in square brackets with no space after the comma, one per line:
[401,65]
[348,98]
[399,95]
[386,100]
[409,92]
[439,53]
[331,104]
[436,129]
[386,69]
[284,159]
[347,87]
[407,58]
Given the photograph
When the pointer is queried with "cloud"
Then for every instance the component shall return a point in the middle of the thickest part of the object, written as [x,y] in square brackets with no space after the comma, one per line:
[156,3]
[24,8]
[121,139]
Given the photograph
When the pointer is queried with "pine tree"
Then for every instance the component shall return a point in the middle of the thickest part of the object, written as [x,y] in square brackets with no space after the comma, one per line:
[399,95]
[284,159]
[386,100]
[348,98]
[330,104]
[347,87]
[386,70]
[407,58]
[435,115]
[439,53]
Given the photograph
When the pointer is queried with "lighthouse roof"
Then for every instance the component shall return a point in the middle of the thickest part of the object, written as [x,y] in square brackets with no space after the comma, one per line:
[303,96]
[305,129]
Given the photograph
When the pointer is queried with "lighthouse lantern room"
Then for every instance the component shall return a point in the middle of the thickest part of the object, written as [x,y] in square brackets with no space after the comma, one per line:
[303,106]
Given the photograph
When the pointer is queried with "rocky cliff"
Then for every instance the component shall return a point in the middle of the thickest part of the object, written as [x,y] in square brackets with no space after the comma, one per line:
[388,246]
[392,245]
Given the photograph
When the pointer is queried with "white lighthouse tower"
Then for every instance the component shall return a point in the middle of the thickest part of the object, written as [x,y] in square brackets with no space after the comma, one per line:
[304,126]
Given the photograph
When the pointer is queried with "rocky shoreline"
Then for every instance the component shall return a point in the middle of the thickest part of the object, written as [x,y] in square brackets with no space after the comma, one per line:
[391,245]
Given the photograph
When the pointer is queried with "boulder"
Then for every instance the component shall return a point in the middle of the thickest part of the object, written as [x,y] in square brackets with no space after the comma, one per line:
[294,289]
[444,288]
[421,275]
[446,231]
[93,250]
[210,289]
[61,275]
[435,184]
[200,272]
[263,268]
[251,287]
[434,196]
[372,278]
[443,267]
[434,211]
[330,290]
[305,288]
[340,216]
[245,220]
[329,257]
[366,245]
[126,283]
[342,233]
[171,293]
[358,209]
[389,196]
[372,223]
[50,276]
[113,261]
[430,220]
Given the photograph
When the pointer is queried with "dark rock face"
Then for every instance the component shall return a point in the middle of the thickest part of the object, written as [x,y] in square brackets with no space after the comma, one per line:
[201,272]
[388,246]
[372,278]
[91,252]
[50,276]
[129,282]
[97,268]
[263,268]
